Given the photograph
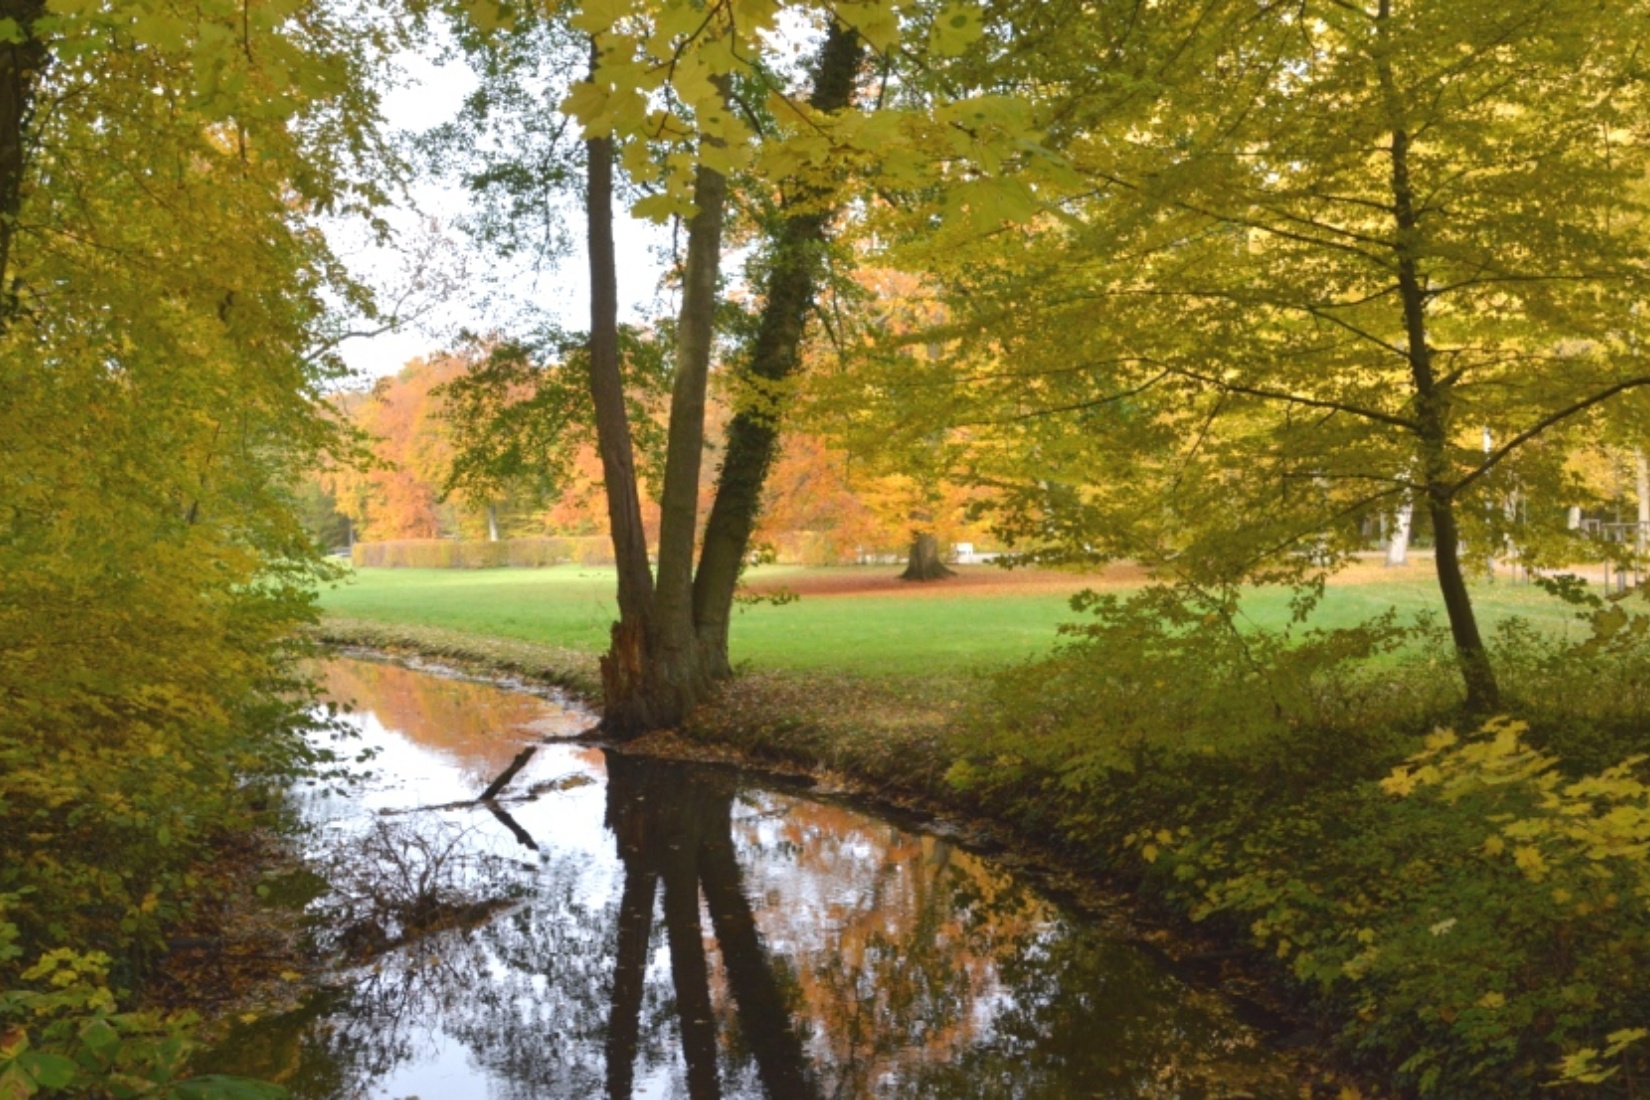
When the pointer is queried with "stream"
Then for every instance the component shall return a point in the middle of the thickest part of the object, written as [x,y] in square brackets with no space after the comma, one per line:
[624,927]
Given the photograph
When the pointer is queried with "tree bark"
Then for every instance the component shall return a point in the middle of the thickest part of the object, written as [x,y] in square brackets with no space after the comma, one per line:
[753,435]
[627,664]
[923,562]
[679,680]
[1432,402]
[21,64]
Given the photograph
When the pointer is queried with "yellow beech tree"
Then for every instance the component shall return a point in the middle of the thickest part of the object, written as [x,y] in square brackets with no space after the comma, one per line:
[163,340]
[1325,258]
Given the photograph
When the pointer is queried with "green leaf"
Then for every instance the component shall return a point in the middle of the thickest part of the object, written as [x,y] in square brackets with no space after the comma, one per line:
[15,1084]
[221,1087]
[100,1038]
[49,1071]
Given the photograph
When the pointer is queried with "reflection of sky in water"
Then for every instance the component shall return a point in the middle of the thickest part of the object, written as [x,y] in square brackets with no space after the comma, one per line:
[910,967]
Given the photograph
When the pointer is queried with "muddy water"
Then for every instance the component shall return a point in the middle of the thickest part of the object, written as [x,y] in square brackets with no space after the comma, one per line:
[623,927]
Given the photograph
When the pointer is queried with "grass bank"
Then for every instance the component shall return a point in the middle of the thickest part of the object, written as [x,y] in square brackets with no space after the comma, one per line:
[857,619]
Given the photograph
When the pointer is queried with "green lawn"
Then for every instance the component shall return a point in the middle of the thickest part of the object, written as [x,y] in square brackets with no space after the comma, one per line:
[884,634]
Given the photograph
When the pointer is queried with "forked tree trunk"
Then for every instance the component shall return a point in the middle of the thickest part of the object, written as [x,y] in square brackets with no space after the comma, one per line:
[923,562]
[650,674]
[671,638]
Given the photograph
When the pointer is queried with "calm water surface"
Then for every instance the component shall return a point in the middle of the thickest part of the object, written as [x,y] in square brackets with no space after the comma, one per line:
[660,930]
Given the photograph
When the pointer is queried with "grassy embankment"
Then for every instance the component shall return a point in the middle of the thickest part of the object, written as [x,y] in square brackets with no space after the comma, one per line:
[1458,927]
[853,620]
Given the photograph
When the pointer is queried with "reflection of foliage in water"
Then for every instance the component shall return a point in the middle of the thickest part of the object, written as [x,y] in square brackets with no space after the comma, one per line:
[836,954]
[940,976]
[476,724]
[527,993]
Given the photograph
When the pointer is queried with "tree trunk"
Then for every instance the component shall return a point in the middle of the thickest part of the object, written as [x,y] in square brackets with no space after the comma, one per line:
[753,436]
[677,668]
[671,639]
[627,682]
[21,63]
[1432,413]
[650,674]
[923,563]
[492,523]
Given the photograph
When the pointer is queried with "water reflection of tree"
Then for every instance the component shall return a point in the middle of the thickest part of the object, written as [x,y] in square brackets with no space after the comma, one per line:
[873,963]
[681,834]
[930,973]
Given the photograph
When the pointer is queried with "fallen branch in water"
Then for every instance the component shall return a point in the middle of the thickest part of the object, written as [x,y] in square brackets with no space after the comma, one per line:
[508,774]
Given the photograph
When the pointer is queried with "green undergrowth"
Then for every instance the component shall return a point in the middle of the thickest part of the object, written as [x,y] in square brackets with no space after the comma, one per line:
[136,747]
[1462,904]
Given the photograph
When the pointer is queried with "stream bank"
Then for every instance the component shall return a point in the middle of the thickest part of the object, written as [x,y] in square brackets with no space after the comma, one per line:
[615,923]
[887,744]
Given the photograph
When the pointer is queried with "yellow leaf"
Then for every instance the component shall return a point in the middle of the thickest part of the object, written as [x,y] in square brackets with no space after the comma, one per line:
[597,16]
[956,27]
[1528,859]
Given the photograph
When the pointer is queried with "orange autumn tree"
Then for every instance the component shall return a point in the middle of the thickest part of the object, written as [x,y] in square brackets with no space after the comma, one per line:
[902,465]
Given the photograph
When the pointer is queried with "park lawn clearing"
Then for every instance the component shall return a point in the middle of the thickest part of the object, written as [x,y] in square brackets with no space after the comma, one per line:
[861,620]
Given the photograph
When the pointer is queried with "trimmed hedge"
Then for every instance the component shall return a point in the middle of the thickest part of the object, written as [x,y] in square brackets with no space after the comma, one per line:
[452,554]
[788,548]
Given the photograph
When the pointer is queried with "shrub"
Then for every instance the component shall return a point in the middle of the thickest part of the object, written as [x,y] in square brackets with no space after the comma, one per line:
[1471,913]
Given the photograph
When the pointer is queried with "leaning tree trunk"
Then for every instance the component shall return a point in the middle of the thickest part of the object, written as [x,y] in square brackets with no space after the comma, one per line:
[626,667]
[1432,401]
[753,436]
[923,562]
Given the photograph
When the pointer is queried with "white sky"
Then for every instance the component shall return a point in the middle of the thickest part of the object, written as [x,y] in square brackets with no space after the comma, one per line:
[430,96]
